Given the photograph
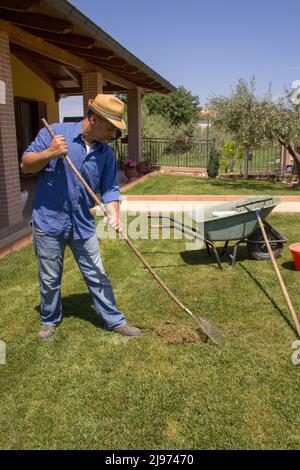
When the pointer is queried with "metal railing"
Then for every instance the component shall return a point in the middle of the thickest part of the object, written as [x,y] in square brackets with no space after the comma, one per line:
[170,152]
[265,160]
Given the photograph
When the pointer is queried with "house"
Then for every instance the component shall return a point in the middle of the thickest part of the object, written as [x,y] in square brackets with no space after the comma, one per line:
[49,50]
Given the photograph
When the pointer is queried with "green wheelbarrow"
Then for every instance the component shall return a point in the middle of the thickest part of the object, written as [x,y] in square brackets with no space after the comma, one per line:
[233,221]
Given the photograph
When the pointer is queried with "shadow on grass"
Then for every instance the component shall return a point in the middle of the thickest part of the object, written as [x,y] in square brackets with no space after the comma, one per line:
[289,265]
[244,184]
[283,316]
[200,257]
[80,306]
[191,257]
[159,252]
[194,257]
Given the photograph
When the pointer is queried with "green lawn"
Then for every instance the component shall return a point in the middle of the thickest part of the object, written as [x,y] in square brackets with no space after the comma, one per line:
[91,389]
[173,184]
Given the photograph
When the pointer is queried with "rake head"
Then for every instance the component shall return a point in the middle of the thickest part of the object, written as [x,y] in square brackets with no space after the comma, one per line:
[210,330]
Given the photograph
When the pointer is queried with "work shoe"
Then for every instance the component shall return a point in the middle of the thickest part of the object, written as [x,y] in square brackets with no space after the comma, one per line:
[127,330]
[46,331]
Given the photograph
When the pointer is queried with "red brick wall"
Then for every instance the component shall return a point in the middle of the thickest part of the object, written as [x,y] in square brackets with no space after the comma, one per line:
[10,202]
[92,84]
[134,124]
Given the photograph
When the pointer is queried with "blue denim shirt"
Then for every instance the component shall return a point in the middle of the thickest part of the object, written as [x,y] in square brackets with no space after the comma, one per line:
[62,205]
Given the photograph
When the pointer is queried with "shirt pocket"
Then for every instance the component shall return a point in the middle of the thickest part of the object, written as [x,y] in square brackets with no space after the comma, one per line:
[92,174]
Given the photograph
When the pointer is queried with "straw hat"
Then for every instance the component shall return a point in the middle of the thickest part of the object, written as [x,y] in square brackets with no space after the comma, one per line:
[110,108]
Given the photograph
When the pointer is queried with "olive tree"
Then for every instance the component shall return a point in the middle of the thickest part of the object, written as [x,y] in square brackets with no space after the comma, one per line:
[283,123]
[242,116]
[253,120]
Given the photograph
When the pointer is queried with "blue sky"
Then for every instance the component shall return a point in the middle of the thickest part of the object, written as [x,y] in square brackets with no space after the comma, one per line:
[206,46]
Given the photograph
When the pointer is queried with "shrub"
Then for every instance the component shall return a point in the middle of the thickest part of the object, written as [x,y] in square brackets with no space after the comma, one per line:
[213,163]
[232,152]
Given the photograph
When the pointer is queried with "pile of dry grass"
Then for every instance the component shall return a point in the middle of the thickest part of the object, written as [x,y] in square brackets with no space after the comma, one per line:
[174,333]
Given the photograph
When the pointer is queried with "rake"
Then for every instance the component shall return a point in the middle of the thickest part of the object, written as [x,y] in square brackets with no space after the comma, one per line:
[205,325]
[281,282]
[278,274]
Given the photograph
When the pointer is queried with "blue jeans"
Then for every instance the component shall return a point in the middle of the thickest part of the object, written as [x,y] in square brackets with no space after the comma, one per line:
[50,253]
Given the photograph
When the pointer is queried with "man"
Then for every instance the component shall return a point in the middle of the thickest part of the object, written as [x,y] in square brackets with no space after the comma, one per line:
[61,209]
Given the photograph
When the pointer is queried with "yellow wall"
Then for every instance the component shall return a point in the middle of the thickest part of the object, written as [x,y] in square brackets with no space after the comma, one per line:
[28,85]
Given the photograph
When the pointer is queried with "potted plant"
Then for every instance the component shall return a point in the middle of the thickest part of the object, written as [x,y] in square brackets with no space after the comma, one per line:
[142,167]
[130,169]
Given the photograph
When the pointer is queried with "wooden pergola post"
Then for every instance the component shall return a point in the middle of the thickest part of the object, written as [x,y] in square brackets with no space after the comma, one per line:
[134,124]
[92,84]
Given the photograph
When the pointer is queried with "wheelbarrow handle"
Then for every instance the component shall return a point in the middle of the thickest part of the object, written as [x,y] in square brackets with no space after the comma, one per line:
[254,202]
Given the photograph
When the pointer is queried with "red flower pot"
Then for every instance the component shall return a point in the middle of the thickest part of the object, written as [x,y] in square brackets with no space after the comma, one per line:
[130,173]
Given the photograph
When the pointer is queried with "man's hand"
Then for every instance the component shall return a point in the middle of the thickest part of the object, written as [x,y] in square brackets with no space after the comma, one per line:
[114,219]
[58,147]
[33,162]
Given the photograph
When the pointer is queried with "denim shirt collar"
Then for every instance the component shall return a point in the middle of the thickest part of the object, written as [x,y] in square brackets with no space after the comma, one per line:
[78,133]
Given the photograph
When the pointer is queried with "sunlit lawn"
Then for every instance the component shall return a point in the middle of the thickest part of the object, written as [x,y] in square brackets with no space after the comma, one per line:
[174,184]
[91,389]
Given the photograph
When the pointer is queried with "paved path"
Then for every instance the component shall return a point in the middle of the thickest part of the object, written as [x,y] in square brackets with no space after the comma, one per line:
[180,203]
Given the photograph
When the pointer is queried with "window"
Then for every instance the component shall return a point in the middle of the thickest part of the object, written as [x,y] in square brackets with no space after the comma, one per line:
[28,114]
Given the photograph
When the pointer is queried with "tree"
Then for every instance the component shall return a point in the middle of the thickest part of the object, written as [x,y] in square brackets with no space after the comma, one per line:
[155,125]
[252,120]
[179,108]
[242,116]
[283,123]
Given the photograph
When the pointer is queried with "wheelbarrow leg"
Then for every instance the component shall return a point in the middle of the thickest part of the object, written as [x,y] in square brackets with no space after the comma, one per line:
[224,249]
[211,247]
[208,249]
[234,254]
[215,251]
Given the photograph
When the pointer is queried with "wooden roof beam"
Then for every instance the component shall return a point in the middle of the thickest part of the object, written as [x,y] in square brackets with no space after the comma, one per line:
[37,21]
[33,43]
[91,52]
[68,91]
[67,39]
[114,89]
[23,5]
[74,75]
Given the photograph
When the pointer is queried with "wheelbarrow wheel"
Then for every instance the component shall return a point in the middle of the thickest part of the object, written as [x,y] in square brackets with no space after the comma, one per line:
[259,250]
